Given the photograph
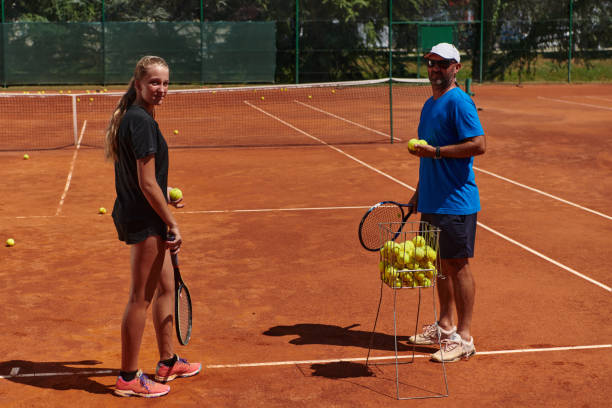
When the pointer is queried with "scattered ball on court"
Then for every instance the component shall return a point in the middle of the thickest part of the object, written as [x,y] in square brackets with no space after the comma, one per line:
[262,98]
[176,194]
[101,210]
[176,131]
[10,242]
[26,156]
[90,99]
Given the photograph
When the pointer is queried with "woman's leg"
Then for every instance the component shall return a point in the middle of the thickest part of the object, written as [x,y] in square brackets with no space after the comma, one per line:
[146,261]
[163,308]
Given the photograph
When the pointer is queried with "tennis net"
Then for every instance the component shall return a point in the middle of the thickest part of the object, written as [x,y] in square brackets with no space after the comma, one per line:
[274,115]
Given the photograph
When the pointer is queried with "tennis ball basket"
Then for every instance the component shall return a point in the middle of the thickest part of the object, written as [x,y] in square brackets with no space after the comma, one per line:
[409,258]
[409,255]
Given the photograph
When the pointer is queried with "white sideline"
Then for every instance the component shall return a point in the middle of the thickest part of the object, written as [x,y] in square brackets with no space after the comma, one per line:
[69,178]
[575,103]
[325,361]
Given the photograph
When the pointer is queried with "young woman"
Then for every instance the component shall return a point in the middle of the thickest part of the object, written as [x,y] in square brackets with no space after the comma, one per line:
[143,221]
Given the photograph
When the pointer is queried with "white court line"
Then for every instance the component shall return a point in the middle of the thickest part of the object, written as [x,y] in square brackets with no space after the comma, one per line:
[338,360]
[544,193]
[575,103]
[600,98]
[499,234]
[69,178]
[333,360]
[347,121]
[94,372]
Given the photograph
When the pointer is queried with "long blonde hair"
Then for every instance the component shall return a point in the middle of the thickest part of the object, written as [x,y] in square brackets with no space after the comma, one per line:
[128,98]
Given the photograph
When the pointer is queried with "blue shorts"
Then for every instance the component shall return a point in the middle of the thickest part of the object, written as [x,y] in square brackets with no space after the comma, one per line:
[137,231]
[457,234]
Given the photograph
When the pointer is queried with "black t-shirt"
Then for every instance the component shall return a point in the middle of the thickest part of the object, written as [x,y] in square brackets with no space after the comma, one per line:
[138,136]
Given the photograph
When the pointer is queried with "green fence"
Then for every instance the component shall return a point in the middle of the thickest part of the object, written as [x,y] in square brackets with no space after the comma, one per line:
[284,41]
[82,53]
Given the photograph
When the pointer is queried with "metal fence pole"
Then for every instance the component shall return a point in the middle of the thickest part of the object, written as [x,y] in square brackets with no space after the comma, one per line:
[297,41]
[391,70]
[481,40]
[569,48]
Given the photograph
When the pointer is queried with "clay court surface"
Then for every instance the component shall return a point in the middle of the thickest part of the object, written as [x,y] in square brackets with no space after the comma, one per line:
[284,295]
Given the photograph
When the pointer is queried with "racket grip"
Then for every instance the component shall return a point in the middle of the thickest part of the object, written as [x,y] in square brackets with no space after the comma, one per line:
[174,257]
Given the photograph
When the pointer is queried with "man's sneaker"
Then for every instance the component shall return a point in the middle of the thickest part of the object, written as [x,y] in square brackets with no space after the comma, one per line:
[141,386]
[454,349]
[430,334]
[181,368]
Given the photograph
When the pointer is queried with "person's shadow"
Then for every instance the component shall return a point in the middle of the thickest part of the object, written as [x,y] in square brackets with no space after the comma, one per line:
[313,333]
[58,375]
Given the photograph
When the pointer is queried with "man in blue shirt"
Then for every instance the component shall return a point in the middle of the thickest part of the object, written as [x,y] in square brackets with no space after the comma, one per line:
[447,197]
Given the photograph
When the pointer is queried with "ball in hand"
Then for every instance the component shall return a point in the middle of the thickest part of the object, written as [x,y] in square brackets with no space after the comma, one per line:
[176,194]
[412,143]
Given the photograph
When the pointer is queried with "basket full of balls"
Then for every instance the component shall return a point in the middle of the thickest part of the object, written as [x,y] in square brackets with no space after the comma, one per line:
[409,256]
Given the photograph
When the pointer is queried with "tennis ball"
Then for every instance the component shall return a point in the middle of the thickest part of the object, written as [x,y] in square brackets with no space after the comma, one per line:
[176,131]
[430,253]
[176,194]
[412,143]
[419,253]
[381,266]
[262,98]
[10,242]
[422,141]
[90,99]
[418,241]
[26,156]
[101,210]
[396,284]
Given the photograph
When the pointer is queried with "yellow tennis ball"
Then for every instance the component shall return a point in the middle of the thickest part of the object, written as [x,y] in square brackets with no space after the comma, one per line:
[176,131]
[309,96]
[262,98]
[381,266]
[418,241]
[412,143]
[422,141]
[101,210]
[430,253]
[176,194]
[419,253]
[10,242]
[26,156]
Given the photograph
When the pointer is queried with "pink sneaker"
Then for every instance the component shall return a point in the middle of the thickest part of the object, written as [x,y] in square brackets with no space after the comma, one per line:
[181,368]
[141,386]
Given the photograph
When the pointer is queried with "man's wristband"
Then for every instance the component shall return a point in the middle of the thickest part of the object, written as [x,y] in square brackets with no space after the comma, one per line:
[437,156]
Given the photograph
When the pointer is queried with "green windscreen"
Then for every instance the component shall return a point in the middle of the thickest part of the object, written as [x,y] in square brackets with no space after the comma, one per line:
[96,53]
[430,35]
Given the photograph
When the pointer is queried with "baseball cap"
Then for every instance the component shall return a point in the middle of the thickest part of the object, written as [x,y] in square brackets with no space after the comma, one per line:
[446,51]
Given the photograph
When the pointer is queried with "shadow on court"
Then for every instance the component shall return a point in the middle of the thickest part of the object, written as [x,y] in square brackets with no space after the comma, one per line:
[60,375]
[312,333]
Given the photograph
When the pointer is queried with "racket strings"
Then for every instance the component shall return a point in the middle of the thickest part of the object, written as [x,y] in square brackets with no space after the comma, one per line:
[384,214]
[184,311]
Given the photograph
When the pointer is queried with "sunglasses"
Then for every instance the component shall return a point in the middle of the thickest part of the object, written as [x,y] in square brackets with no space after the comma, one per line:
[442,64]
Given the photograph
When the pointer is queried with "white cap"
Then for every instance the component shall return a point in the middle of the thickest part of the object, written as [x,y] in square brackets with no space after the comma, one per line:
[446,51]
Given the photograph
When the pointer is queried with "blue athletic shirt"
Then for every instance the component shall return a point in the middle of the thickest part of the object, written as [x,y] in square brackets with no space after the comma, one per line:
[448,185]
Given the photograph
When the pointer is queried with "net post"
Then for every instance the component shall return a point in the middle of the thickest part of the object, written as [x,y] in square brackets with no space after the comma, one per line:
[74,120]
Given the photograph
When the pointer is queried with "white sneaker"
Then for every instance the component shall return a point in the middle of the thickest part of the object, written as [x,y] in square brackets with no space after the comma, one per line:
[454,349]
[430,334]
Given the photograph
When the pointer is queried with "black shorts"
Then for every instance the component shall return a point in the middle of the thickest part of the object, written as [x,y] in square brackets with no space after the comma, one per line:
[457,234]
[137,231]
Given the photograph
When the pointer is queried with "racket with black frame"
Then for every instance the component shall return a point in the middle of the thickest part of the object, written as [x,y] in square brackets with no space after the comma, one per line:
[182,303]
[383,212]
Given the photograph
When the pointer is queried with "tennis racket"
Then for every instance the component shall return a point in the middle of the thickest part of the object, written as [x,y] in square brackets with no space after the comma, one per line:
[383,212]
[182,303]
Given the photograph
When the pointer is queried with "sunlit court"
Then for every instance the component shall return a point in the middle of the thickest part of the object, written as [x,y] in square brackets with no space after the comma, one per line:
[275,182]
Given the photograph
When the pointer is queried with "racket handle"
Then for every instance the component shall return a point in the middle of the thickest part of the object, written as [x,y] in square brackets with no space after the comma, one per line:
[174,257]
